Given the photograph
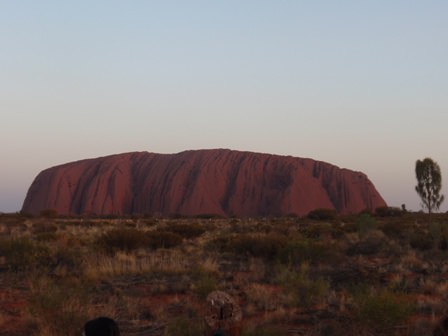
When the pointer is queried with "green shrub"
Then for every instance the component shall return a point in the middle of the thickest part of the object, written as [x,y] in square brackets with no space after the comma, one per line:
[162,239]
[318,230]
[204,282]
[300,288]
[184,327]
[209,216]
[394,229]
[298,251]
[46,237]
[388,211]
[421,240]
[439,233]
[132,239]
[188,231]
[220,244]
[58,307]
[337,231]
[44,228]
[274,247]
[381,310]
[263,331]
[266,246]
[123,239]
[372,242]
[69,259]
[322,214]
[364,224]
[436,230]
[23,254]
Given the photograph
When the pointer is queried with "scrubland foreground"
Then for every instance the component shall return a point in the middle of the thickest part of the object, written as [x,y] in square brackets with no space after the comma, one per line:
[366,274]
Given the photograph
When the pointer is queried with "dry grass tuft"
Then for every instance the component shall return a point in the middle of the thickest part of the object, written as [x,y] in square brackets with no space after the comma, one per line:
[100,266]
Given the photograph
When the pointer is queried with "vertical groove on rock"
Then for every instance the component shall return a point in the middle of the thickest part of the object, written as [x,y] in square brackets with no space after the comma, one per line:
[231,185]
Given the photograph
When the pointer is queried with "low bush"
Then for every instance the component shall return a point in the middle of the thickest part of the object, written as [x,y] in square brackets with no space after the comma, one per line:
[44,228]
[220,244]
[316,231]
[388,211]
[274,247]
[68,259]
[204,282]
[300,289]
[46,237]
[439,233]
[162,239]
[188,231]
[421,240]
[321,230]
[209,216]
[123,239]
[372,242]
[266,246]
[322,214]
[297,251]
[58,307]
[132,239]
[23,254]
[395,229]
[262,331]
[380,310]
[364,224]
[184,327]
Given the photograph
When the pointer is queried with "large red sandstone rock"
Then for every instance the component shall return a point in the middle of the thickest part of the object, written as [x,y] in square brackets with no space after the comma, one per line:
[221,182]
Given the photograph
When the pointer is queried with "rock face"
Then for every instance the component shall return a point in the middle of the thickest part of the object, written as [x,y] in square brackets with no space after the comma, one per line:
[218,181]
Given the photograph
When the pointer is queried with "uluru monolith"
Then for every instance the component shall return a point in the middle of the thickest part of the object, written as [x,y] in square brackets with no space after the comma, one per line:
[215,182]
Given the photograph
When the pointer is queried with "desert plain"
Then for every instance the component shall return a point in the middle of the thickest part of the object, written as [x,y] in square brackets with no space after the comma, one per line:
[381,273]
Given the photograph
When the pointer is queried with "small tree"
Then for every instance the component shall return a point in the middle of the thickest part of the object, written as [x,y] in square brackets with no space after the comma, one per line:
[429,184]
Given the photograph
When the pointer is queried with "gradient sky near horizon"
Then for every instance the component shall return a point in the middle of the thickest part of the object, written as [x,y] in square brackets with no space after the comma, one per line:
[359,84]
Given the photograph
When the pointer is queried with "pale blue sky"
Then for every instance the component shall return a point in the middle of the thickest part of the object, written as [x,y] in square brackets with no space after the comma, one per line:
[360,84]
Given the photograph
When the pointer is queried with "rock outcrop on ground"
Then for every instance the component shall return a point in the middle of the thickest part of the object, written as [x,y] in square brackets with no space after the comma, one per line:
[215,182]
